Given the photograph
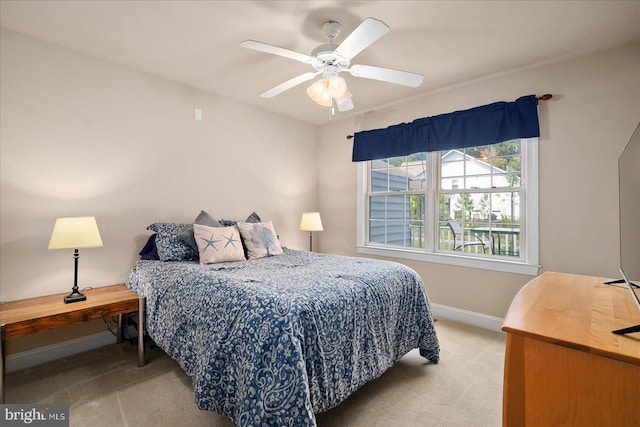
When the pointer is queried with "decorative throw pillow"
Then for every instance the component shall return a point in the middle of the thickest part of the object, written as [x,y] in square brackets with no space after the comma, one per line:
[150,251]
[254,217]
[203,218]
[170,246]
[218,244]
[260,239]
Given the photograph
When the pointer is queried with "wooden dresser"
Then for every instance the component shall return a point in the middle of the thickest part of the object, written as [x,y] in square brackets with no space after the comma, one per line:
[563,366]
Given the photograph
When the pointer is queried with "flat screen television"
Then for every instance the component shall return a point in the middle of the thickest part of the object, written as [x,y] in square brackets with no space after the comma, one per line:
[629,205]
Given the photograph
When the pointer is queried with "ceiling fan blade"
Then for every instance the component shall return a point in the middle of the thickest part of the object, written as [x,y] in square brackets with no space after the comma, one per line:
[288,84]
[275,50]
[367,32]
[387,75]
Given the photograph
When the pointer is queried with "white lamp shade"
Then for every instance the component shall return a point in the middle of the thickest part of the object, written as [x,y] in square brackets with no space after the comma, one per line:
[344,102]
[316,90]
[323,92]
[311,222]
[337,87]
[74,233]
[325,99]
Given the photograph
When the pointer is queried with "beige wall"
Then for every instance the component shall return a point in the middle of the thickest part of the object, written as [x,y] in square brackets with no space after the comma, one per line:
[596,107]
[81,136]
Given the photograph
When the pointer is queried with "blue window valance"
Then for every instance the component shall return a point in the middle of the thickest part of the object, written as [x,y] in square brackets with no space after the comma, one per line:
[484,125]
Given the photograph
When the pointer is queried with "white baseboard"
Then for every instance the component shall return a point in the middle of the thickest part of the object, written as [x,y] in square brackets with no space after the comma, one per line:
[469,317]
[40,355]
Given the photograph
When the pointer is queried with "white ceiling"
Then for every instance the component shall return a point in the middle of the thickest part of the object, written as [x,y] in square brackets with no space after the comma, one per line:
[197,43]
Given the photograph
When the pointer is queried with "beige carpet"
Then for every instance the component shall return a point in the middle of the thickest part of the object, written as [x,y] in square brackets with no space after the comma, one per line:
[105,388]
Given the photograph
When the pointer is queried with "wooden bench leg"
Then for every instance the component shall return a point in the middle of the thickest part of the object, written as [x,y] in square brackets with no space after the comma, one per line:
[142,360]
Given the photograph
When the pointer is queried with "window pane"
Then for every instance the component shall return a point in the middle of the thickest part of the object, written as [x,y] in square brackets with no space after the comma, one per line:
[466,208]
[452,168]
[506,208]
[398,179]
[378,164]
[462,206]
[388,216]
[397,220]
[377,231]
[384,178]
[489,223]
[504,226]
[462,237]
[398,173]
[489,166]
[416,220]
[416,234]
[396,233]
[379,177]
[417,172]
[377,207]
[396,207]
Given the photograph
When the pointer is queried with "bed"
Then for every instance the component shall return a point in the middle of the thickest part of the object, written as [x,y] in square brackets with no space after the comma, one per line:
[271,341]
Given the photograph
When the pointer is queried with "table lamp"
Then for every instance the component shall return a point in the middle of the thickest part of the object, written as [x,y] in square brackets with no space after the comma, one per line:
[75,233]
[311,222]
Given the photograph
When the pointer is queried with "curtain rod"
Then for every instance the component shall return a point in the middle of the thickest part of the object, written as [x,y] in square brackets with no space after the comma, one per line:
[545,97]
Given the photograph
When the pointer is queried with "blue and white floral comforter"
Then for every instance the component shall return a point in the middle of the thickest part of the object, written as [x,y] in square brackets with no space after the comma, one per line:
[274,340]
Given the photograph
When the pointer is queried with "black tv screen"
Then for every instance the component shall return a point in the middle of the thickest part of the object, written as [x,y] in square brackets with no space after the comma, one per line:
[629,178]
[629,210]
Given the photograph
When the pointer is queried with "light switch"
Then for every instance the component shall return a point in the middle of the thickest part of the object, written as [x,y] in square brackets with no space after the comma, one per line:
[198,114]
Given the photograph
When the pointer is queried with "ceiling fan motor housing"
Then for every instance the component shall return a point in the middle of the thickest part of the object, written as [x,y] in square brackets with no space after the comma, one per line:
[324,58]
[324,55]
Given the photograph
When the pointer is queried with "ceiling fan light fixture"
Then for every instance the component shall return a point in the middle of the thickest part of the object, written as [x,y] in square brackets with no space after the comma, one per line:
[325,99]
[346,95]
[324,91]
[337,87]
[344,102]
[344,105]
[316,90]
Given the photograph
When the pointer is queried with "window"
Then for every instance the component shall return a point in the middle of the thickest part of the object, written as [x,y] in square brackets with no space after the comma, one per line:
[473,206]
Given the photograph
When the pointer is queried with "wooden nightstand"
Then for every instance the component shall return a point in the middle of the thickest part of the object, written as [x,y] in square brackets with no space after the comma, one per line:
[28,316]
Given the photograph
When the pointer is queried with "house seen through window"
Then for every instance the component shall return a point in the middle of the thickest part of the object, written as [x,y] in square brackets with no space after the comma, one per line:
[469,202]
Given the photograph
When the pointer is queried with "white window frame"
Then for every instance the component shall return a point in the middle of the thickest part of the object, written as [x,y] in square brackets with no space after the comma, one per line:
[526,264]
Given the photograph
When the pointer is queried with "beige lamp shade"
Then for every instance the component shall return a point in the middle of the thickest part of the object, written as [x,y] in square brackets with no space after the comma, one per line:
[74,233]
[324,91]
[311,222]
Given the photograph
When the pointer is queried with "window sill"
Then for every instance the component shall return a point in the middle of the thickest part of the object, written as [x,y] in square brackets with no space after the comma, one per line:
[458,260]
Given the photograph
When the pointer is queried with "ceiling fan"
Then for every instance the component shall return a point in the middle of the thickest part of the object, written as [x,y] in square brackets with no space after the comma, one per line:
[330,60]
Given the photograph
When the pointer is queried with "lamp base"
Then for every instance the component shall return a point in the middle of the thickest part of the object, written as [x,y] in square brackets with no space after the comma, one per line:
[74,297]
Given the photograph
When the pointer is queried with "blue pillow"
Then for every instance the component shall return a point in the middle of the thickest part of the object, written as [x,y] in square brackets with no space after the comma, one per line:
[150,251]
[253,218]
[170,246]
[203,218]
